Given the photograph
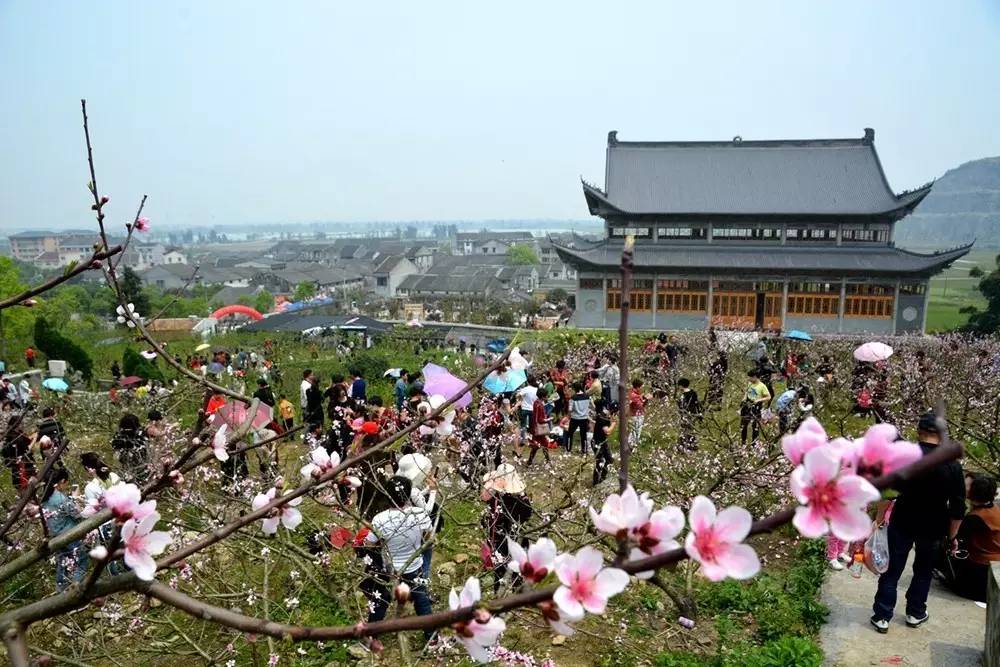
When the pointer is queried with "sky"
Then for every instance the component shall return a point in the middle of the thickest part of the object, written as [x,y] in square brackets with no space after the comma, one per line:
[261,112]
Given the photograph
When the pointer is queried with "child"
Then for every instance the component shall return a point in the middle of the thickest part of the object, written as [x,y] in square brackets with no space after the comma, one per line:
[637,412]
[287,412]
[539,425]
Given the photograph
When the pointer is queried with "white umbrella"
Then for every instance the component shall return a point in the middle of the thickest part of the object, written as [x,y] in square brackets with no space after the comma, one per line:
[872,352]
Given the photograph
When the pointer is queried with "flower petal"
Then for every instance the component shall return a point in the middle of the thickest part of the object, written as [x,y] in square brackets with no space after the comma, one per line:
[822,464]
[610,582]
[856,491]
[589,562]
[733,524]
[142,564]
[567,603]
[740,561]
[850,523]
[702,514]
[809,522]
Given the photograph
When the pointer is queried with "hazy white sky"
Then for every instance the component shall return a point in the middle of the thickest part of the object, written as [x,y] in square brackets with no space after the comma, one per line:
[232,112]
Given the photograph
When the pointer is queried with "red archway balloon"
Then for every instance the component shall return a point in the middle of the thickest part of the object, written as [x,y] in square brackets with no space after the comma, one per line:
[237,310]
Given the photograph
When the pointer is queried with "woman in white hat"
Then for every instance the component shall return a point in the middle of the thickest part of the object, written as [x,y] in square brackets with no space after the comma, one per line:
[508,508]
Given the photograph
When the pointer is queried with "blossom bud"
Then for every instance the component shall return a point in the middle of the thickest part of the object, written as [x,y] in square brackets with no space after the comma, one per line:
[402,592]
[195,441]
[99,553]
[549,611]
[482,615]
[176,477]
[105,199]
[354,482]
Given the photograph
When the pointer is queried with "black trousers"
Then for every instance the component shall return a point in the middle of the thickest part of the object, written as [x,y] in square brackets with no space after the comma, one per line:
[574,424]
[602,463]
[925,549]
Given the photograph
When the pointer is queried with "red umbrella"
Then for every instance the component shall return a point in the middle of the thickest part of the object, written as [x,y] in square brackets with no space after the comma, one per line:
[130,380]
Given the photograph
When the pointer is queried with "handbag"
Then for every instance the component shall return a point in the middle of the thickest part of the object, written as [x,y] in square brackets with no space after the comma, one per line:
[542,428]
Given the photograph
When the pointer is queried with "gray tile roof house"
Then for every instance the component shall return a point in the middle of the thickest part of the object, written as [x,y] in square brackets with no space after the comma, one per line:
[766,235]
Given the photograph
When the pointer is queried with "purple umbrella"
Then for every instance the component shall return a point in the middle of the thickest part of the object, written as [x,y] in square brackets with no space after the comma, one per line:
[440,381]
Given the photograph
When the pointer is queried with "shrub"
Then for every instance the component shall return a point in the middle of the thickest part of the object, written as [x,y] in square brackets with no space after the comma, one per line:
[134,363]
[56,346]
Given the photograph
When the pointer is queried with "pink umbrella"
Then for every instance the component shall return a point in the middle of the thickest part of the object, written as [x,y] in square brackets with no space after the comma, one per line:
[440,382]
[873,352]
[235,413]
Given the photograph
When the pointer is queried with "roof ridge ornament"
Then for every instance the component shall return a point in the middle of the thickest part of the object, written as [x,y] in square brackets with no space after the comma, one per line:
[737,139]
[613,138]
[869,137]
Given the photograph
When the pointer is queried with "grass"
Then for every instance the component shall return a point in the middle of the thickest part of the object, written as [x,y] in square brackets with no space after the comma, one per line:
[954,289]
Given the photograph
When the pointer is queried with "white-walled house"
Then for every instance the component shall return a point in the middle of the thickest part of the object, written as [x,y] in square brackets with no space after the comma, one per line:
[390,273]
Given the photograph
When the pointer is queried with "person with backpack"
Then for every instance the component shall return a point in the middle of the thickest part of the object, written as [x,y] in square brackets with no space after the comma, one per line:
[756,397]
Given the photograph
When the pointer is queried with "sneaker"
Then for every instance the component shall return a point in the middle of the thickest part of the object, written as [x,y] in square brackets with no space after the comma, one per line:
[835,564]
[845,558]
[916,622]
[880,624]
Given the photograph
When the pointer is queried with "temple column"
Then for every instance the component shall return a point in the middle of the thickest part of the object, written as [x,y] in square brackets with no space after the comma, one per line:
[895,306]
[710,278]
[840,306]
[784,303]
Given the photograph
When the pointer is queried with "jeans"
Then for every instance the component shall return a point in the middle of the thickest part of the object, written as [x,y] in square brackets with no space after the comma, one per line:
[574,424]
[900,542]
[380,603]
[602,463]
[524,419]
[635,430]
[425,566]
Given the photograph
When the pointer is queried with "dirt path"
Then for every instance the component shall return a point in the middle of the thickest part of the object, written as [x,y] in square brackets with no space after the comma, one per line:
[953,637]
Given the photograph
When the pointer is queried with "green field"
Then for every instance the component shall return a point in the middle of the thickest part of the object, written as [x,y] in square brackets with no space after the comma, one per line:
[954,289]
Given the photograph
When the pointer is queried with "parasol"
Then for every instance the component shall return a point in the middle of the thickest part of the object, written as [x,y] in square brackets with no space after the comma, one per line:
[439,381]
[235,413]
[149,355]
[795,334]
[392,373]
[504,383]
[872,352]
[414,323]
[202,347]
[130,380]
[56,384]
[498,345]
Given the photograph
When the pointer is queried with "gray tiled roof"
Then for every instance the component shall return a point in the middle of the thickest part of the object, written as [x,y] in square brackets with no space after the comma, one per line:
[774,260]
[822,176]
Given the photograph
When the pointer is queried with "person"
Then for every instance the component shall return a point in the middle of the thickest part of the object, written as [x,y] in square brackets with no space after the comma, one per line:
[596,389]
[604,425]
[29,357]
[928,508]
[264,394]
[610,377]
[50,426]
[400,389]
[304,390]
[824,371]
[508,508]
[637,412]
[61,514]
[130,444]
[560,380]
[313,412]
[757,395]
[359,388]
[401,531]
[785,407]
[540,425]
[419,470]
[966,570]
[17,454]
[156,429]
[287,412]
[765,372]
[690,410]
[101,479]
[579,417]
[716,379]
[527,394]
[116,371]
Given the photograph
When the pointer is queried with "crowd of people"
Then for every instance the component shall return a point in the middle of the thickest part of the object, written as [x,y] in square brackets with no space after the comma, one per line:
[564,409]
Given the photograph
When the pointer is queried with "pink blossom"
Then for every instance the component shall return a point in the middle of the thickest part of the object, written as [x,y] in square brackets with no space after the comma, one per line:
[219,443]
[535,563]
[586,583]
[482,632]
[322,462]
[832,502]
[623,513]
[715,541]
[289,517]
[142,224]
[657,535]
[808,436]
[879,453]
[142,543]
[123,501]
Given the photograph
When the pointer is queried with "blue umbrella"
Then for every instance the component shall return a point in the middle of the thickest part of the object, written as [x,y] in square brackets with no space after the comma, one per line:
[795,334]
[498,345]
[504,383]
[56,384]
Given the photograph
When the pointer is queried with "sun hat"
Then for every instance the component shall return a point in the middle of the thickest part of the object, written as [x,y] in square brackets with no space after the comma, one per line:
[415,467]
[504,479]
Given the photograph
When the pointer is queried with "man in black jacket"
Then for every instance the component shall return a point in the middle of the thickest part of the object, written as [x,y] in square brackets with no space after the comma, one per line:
[928,509]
